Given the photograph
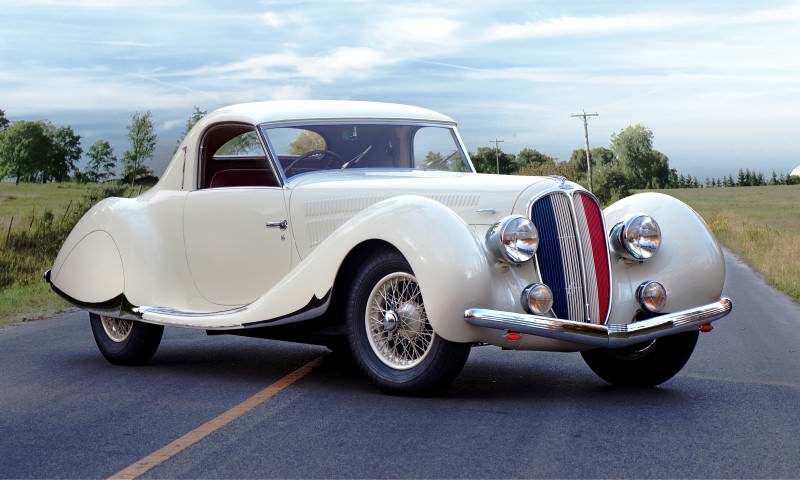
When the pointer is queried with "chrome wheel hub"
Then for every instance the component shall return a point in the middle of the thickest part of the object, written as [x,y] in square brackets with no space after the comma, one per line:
[390,321]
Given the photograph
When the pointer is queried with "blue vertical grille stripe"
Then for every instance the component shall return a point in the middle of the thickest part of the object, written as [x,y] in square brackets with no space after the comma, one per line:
[549,254]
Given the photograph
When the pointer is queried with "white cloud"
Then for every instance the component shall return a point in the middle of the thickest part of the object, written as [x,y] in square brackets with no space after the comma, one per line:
[97,4]
[587,26]
[276,20]
[403,34]
[342,62]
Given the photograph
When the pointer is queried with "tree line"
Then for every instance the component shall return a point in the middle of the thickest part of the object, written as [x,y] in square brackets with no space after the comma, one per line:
[38,151]
[629,163]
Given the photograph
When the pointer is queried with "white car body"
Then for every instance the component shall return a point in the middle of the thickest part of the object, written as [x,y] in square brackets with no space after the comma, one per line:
[239,258]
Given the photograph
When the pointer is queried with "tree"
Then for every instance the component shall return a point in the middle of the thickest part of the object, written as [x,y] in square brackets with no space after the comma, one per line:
[3,120]
[143,143]
[600,156]
[102,161]
[530,157]
[610,183]
[486,161]
[306,141]
[65,154]
[196,116]
[25,148]
[643,166]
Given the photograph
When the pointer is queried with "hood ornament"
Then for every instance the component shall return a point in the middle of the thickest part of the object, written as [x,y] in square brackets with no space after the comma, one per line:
[563,184]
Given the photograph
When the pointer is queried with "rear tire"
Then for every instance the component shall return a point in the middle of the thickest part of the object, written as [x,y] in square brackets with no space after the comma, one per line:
[125,342]
[390,336]
[644,365]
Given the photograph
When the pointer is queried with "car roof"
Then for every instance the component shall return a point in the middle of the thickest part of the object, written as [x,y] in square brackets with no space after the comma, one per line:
[323,110]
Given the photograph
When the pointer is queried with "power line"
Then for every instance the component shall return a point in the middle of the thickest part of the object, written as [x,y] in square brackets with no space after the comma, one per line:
[585,117]
[497,143]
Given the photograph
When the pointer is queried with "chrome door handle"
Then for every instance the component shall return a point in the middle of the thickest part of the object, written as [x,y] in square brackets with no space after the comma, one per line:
[283,224]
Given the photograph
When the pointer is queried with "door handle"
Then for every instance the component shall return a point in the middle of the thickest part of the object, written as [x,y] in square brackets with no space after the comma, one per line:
[283,224]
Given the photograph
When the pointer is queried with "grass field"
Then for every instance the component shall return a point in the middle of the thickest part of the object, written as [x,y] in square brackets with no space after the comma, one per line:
[760,224]
[20,205]
[34,220]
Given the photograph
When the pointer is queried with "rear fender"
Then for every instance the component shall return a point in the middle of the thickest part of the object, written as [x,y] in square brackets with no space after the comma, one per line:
[88,267]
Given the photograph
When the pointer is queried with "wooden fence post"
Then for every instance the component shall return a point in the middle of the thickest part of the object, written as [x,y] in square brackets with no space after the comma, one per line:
[8,234]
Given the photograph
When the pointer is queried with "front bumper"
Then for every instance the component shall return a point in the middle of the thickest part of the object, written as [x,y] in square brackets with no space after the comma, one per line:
[617,335]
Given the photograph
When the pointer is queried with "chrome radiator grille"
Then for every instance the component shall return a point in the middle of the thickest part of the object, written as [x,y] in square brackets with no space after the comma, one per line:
[573,255]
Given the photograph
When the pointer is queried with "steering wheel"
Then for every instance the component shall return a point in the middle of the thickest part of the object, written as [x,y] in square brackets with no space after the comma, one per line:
[316,155]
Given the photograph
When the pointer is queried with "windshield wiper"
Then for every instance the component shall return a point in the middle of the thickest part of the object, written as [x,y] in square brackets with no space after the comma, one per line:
[357,158]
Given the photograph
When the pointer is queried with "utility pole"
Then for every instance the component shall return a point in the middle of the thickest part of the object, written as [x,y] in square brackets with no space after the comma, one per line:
[496,152]
[585,116]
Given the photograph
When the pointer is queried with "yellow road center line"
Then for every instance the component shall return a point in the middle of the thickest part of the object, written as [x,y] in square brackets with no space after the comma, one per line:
[170,450]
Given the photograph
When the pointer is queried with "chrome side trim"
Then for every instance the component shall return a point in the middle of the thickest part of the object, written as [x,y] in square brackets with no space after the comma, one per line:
[230,319]
[616,335]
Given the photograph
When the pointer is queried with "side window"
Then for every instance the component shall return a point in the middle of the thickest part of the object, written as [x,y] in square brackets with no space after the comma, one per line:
[435,148]
[232,156]
[244,145]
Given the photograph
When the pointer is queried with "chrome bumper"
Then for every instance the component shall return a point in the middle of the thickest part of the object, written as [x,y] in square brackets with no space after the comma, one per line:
[616,335]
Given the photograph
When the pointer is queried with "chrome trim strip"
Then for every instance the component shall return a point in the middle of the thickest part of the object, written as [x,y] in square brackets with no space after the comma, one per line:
[617,335]
[225,319]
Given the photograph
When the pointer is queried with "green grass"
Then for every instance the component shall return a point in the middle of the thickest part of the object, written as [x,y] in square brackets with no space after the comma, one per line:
[760,224]
[27,199]
[28,302]
[34,221]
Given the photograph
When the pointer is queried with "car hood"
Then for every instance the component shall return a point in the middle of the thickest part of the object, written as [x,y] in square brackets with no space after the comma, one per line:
[322,201]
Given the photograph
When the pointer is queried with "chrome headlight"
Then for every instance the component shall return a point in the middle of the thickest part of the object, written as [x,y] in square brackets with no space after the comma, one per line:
[637,238]
[513,239]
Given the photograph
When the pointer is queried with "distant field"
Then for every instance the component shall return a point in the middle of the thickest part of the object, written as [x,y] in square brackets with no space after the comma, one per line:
[26,199]
[760,224]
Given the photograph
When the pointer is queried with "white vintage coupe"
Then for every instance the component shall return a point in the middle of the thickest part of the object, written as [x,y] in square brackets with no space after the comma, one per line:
[364,226]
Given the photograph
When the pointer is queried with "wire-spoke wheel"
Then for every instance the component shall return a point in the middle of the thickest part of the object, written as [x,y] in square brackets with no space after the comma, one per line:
[399,331]
[390,336]
[117,329]
[125,342]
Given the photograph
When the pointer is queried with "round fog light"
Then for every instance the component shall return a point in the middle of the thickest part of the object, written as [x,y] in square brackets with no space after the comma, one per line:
[652,296]
[537,299]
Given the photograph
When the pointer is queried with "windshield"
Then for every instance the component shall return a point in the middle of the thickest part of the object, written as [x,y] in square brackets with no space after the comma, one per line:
[306,148]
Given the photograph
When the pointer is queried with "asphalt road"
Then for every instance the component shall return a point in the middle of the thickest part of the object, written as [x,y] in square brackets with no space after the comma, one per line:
[733,412]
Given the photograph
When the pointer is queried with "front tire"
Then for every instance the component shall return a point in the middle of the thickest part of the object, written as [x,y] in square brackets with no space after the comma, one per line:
[125,342]
[644,365]
[390,336]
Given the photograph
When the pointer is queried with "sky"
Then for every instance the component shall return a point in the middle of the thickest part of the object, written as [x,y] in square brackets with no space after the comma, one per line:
[717,82]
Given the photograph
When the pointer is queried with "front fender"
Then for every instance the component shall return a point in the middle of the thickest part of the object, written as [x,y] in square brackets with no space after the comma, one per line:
[689,262]
[450,265]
